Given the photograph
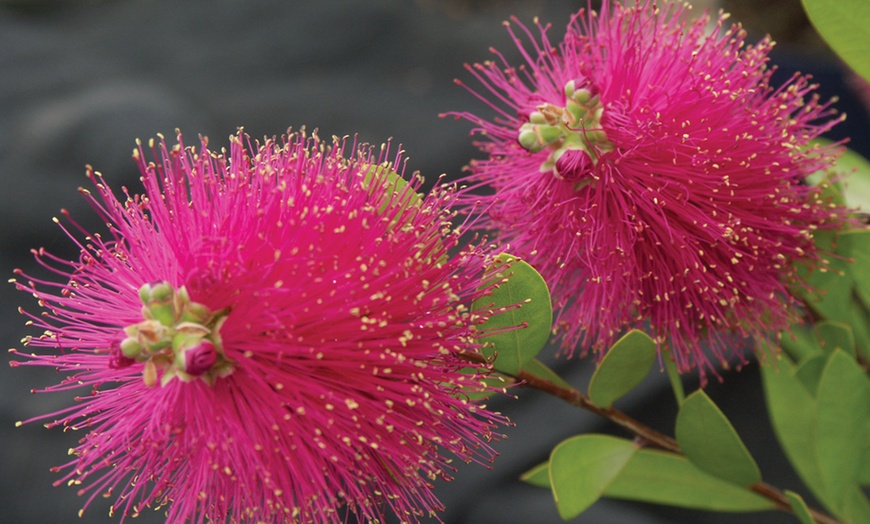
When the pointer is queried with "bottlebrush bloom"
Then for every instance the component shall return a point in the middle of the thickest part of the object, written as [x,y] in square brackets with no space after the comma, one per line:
[273,334]
[649,171]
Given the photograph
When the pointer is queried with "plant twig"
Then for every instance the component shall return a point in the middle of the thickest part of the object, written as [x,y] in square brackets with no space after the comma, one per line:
[651,437]
[576,398]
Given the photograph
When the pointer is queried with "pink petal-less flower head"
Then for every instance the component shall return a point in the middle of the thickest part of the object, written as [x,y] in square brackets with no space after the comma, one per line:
[648,170]
[277,333]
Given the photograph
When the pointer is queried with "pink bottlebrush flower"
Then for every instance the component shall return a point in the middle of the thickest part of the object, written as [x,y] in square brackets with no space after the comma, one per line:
[650,172]
[273,334]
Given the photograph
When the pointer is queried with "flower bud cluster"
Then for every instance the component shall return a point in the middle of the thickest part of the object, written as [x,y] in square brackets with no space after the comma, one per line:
[177,338]
[574,130]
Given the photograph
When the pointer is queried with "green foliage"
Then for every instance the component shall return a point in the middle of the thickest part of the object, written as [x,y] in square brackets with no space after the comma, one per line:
[489,385]
[833,283]
[842,430]
[520,298]
[709,440]
[398,197]
[623,367]
[801,342]
[540,370]
[856,188]
[674,377]
[835,335]
[809,372]
[582,467]
[818,398]
[842,283]
[792,410]
[843,25]
[799,507]
[855,245]
[661,477]
[538,476]
[822,420]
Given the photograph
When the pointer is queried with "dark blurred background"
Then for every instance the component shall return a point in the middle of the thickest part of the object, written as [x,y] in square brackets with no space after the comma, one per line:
[80,81]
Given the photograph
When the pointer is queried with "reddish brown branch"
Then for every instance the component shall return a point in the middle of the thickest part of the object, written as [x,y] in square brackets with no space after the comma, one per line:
[578,399]
[649,435]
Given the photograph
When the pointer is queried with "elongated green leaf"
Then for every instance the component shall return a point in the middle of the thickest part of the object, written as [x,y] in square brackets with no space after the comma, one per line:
[398,195]
[518,285]
[674,377]
[864,470]
[833,283]
[799,508]
[835,335]
[537,368]
[843,25]
[859,312]
[792,411]
[665,478]
[857,506]
[709,440]
[801,343]
[856,188]
[841,426]
[623,367]
[809,372]
[856,245]
[582,467]
[488,386]
[400,204]
[538,476]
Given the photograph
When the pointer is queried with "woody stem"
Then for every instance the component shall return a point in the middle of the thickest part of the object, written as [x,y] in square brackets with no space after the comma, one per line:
[643,432]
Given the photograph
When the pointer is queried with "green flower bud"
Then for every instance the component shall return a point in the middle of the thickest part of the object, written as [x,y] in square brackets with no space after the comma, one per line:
[131,348]
[569,89]
[529,139]
[537,117]
[582,96]
[178,338]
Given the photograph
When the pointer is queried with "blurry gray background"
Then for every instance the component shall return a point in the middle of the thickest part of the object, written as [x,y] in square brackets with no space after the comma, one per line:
[80,81]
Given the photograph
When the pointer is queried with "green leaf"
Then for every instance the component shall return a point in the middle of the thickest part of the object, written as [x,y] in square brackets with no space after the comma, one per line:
[863,478]
[857,506]
[843,25]
[582,467]
[674,377]
[398,195]
[856,245]
[835,335]
[538,476]
[810,372]
[792,411]
[490,384]
[519,298]
[799,508]
[833,283]
[623,367]
[858,314]
[660,477]
[856,188]
[801,343]
[841,426]
[540,370]
[709,440]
